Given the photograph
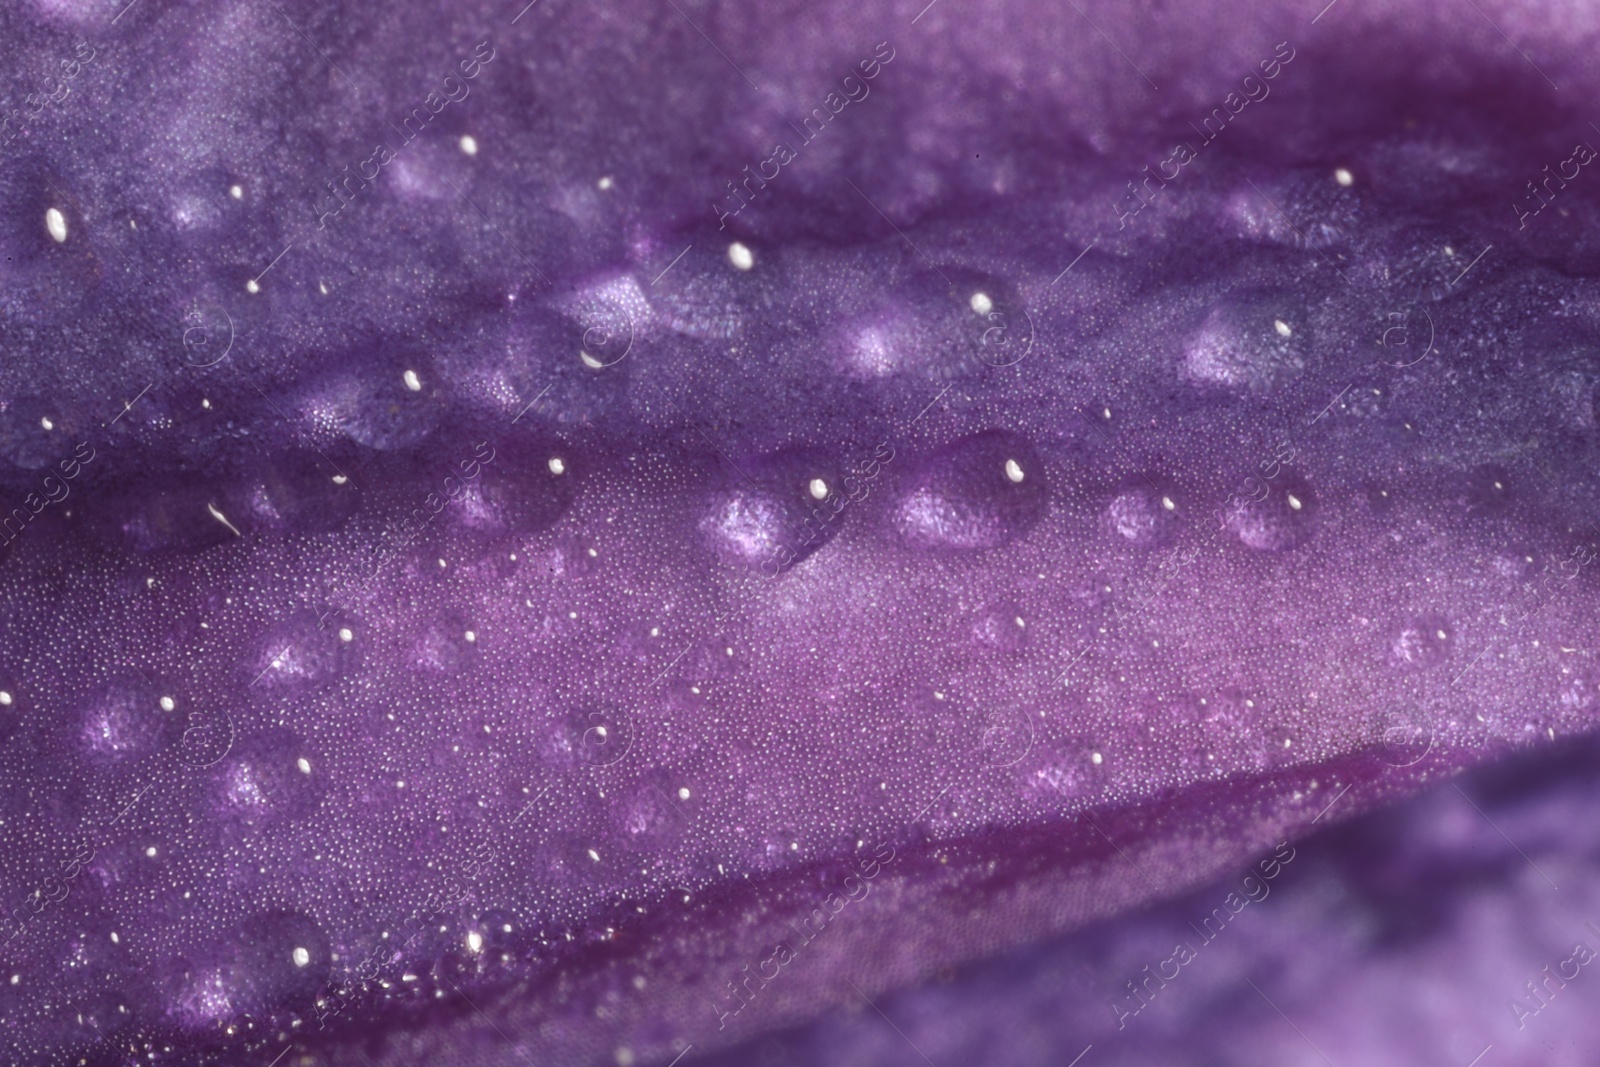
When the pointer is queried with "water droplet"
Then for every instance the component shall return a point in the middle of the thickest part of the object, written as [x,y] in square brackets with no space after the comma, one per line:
[443,648]
[964,496]
[388,405]
[519,490]
[35,433]
[1240,345]
[942,326]
[1299,210]
[1143,515]
[1420,263]
[1245,734]
[267,776]
[747,527]
[1580,688]
[298,655]
[566,364]
[697,296]
[662,804]
[1068,769]
[273,961]
[770,516]
[1421,642]
[1282,519]
[591,737]
[1000,626]
[293,493]
[122,720]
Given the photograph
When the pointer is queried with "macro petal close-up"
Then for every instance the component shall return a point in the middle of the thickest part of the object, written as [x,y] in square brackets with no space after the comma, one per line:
[650,533]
